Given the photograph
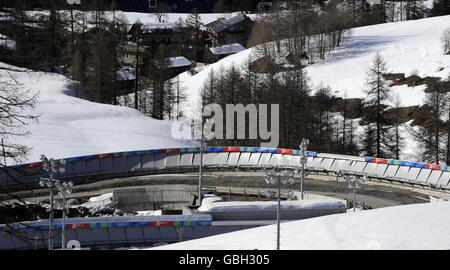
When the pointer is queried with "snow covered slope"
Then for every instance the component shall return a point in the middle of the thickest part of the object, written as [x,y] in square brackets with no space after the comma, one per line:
[408,47]
[70,126]
[419,226]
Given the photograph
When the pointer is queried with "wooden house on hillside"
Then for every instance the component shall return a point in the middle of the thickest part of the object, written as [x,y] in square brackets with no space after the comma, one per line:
[228,31]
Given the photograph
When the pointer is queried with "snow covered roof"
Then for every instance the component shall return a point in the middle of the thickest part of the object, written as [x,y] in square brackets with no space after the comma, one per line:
[6,42]
[210,205]
[179,61]
[125,75]
[227,49]
[223,23]
[159,27]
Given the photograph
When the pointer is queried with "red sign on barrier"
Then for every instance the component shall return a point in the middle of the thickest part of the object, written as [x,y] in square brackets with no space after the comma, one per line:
[380,160]
[232,149]
[161,224]
[81,226]
[110,155]
[285,151]
[175,150]
[433,167]
[33,165]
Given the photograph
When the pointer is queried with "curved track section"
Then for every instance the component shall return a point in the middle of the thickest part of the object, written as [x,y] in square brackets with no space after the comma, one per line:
[176,160]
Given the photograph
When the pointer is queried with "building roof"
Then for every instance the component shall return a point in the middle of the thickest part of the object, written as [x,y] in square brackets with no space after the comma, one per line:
[223,23]
[227,49]
[126,74]
[157,28]
[179,61]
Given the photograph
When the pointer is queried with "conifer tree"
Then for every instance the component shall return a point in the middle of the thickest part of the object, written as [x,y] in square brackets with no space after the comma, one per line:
[377,93]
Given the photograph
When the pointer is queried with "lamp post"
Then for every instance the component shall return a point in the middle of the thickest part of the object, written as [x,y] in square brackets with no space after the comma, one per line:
[203,147]
[52,166]
[287,176]
[353,185]
[303,161]
[64,189]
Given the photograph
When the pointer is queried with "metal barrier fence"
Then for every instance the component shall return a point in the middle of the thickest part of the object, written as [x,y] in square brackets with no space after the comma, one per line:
[108,230]
[228,158]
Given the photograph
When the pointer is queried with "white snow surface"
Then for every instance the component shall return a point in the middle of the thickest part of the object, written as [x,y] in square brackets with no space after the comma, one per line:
[227,49]
[408,47]
[179,61]
[418,226]
[70,126]
[103,200]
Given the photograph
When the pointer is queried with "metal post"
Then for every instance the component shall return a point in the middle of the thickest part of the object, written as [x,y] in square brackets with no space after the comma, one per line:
[303,161]
[354,198]
[287,177]
[50,227]
[53,167]
[180,231]
[301,181]
[192,129]
[200,173]
[278,213]
[63,231]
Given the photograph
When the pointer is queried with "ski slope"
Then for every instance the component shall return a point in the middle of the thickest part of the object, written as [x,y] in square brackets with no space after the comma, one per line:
[417,226]
[69,126]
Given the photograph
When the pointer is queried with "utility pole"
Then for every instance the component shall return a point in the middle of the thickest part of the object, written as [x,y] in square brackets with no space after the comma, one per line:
[303,161]
[200,172]
[52,166]
[286,177]
[64,189]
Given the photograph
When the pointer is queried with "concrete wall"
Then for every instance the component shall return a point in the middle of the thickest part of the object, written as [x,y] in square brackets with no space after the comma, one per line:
[106,166]
[172,197]
[286,214]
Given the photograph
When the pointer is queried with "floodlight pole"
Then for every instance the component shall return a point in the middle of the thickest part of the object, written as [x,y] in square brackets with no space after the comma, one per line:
[50,228]
[303,160]
[200,172]
[278,212]
[49,182]
[51,166]
[353,186]
[63,228]
[281,178]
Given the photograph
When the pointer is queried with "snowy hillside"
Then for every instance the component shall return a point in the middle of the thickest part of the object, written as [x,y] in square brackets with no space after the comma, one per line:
[70,126]
[419,226]
[170,18]
[410,47]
